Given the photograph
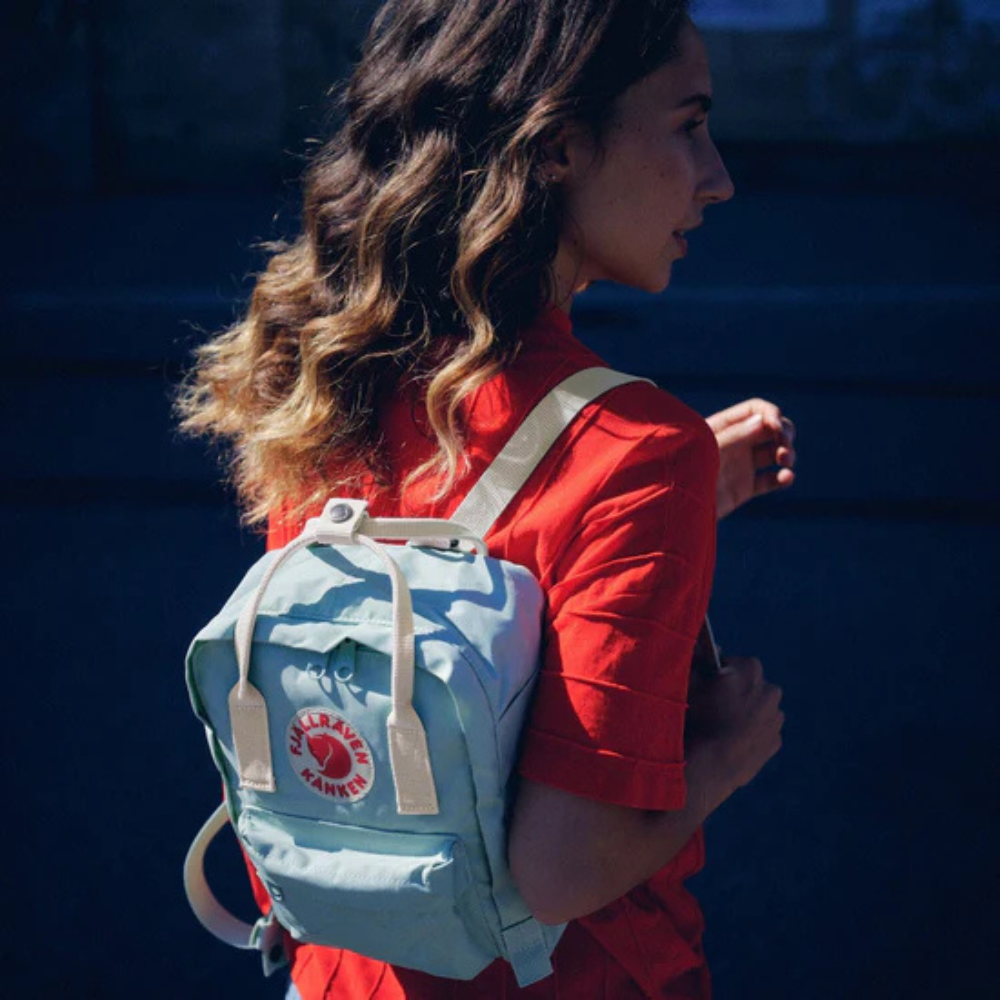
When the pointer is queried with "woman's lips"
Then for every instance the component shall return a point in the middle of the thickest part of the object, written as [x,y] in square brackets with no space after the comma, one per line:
[682,243]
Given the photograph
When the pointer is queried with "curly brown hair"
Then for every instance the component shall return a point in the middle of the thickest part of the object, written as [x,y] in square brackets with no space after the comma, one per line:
[427,239]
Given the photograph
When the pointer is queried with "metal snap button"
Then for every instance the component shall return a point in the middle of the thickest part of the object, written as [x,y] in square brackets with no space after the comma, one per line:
[315,670]
[340,512]
[344,673]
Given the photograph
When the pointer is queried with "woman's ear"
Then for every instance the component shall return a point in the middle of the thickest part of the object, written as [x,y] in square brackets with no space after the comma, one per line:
[566,153]
[554,161]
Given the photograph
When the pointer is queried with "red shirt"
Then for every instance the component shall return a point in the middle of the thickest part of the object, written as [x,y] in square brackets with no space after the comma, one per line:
[618,525]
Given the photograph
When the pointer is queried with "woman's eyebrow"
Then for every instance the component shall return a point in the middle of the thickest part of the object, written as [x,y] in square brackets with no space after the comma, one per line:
[704,100]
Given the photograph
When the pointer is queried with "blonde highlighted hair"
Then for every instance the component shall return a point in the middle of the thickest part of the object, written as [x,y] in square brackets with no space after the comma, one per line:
[427,241]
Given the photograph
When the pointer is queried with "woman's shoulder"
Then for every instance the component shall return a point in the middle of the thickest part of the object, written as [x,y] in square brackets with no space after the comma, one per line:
[640,435]
[551,352]
[636,426]
[643,410]
[637,470]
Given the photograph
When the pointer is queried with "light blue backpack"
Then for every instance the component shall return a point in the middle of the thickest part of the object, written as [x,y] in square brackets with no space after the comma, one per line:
[363,703]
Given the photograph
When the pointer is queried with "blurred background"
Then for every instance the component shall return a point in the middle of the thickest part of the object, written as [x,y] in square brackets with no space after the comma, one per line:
[147,149]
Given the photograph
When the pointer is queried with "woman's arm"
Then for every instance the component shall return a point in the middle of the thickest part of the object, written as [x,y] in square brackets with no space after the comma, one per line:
[571,855]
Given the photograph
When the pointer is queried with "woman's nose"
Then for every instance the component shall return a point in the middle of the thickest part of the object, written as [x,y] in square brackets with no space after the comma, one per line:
[717,186]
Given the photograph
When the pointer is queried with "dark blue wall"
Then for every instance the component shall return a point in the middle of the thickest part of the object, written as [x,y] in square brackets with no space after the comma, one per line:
[127,95]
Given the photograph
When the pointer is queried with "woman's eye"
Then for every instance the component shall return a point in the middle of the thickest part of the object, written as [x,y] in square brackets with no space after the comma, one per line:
[693,125]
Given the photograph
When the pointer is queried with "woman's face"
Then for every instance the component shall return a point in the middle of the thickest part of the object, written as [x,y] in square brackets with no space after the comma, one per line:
[626,211]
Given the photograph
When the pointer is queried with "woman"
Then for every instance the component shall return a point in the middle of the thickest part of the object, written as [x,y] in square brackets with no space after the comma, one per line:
[497,156]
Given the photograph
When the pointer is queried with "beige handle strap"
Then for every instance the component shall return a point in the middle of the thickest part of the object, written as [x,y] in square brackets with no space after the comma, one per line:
[264,936]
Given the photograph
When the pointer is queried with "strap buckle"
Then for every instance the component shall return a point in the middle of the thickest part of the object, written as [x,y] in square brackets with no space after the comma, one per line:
[268,937]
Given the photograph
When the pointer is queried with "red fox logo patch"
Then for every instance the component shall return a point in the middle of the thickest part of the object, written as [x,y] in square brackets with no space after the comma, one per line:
[330,757]
[333,758]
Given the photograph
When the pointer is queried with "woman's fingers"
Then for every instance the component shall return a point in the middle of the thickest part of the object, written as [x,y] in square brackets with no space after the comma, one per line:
[756,446]
[769,413]
[770,453]
[787,430]
[771,480]
[747,431]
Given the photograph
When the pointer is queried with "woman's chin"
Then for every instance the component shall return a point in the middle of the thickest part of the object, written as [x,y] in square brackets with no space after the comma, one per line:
[654,283]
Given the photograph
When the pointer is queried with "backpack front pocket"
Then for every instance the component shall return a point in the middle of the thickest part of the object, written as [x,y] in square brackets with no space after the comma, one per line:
[404,898]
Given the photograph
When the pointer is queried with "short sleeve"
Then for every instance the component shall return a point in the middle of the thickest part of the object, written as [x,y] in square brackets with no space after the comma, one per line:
[626,598]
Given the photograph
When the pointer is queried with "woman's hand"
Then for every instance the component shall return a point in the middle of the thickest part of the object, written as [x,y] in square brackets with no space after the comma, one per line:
[755,452]
[739,712]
